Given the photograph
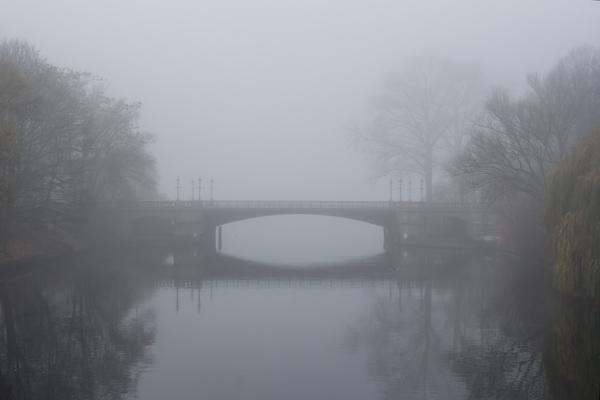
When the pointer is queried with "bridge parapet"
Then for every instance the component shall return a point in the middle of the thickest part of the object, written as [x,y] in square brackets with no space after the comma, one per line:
[328,205]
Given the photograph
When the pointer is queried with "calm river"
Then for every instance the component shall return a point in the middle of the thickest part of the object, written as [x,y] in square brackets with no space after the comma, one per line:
[175,324]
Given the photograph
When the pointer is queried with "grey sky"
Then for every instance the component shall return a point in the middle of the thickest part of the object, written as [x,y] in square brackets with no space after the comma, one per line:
[255,94]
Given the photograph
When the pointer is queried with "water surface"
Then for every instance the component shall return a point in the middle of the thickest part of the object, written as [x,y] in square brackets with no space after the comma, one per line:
[176,323]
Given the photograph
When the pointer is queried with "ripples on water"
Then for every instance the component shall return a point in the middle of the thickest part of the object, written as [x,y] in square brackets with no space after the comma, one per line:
[421,326]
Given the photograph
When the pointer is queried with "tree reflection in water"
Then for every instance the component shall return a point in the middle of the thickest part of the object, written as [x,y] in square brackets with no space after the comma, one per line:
[478,330]
[572,356]
[446,327]
[408,332]
[503,358]
[74,332]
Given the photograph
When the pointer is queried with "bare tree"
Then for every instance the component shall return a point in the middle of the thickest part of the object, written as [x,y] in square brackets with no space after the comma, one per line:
[518,142]
[422,107]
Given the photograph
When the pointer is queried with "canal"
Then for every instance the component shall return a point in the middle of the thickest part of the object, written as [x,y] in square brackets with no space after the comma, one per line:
[164,323]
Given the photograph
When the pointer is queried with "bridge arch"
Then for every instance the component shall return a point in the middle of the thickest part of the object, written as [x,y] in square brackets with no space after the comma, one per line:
[298,238]
[199,219]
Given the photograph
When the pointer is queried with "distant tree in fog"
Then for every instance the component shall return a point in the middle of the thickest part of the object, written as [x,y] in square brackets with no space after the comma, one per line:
[518,142]
[112,161]
[420,117]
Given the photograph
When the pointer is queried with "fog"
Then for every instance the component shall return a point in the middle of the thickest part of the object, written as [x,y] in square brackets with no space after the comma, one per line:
[399,199]
[258,95]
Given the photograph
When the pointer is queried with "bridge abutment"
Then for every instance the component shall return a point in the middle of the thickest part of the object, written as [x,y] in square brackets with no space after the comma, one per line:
[209,239]
[390,235]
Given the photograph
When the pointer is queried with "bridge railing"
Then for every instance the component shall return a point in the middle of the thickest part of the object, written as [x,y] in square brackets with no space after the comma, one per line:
[255,204]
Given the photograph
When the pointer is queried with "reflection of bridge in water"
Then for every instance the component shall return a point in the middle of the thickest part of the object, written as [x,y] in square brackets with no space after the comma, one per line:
[190,271]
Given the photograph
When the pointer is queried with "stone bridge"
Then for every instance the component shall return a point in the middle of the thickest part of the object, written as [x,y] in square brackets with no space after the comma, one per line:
[200,220]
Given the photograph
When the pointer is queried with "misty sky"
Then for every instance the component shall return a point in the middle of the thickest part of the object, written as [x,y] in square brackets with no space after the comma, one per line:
[256,94]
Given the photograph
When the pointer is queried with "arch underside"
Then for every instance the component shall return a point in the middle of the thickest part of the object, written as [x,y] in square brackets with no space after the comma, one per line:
[221,217]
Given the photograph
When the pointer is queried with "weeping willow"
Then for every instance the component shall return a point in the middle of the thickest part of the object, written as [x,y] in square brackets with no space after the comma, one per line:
[573,216]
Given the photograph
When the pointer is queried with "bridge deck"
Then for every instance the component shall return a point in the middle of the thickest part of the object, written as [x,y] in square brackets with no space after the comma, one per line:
[308,205]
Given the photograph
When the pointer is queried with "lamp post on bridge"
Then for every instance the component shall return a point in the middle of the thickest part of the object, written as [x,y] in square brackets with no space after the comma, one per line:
[391,190]
[177,188]
[410,190]
[211,189]
[193,189]
[421,189]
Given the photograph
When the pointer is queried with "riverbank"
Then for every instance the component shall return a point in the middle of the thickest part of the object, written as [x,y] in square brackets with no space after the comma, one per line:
[28,247]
